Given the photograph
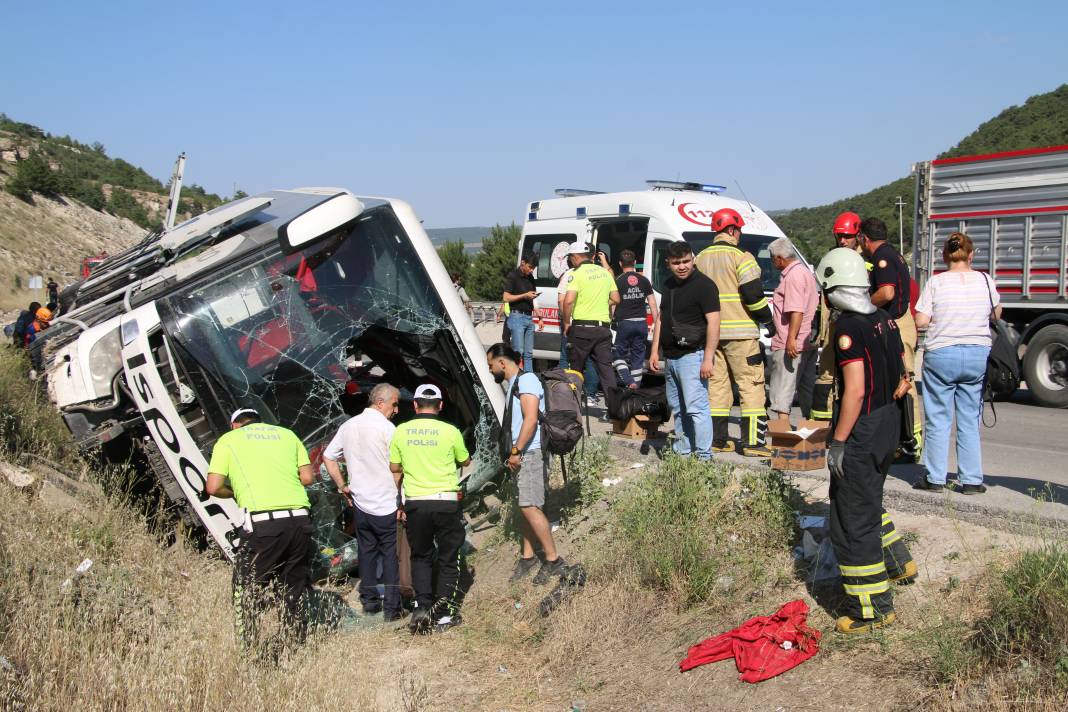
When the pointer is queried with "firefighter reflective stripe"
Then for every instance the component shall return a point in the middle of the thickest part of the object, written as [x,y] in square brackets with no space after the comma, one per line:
[720,412]
[867,612]
[869,570]
[756,306]
[857,589]
[729,266]
[889,537]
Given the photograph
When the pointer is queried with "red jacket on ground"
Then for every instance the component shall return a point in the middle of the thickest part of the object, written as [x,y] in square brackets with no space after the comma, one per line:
[757,645]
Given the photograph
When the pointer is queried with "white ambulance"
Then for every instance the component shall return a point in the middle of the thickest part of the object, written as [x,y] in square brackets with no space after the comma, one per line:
[643,221]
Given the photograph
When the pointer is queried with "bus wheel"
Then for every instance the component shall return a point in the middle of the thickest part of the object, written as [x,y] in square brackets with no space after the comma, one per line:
[1045,366]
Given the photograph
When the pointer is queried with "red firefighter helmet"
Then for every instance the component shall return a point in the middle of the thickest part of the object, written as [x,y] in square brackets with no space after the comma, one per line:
[848,223]
[726,217]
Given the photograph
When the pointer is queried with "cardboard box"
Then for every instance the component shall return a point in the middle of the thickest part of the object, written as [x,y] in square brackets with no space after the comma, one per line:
[791,451]
[640,427]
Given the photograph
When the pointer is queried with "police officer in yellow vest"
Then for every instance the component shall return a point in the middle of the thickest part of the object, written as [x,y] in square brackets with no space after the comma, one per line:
[846,232]
[586,319]
[423,456]
[265,469]
[738,357]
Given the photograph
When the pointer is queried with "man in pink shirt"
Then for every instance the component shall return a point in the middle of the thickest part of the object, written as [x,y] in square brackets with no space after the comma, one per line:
[793,355]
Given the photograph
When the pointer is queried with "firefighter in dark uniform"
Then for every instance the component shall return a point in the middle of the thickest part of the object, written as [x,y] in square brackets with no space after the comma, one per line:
[846,231]
[265,469]
[890,285]
[871,376]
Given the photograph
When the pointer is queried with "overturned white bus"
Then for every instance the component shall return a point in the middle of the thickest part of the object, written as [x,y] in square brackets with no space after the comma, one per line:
[293,302]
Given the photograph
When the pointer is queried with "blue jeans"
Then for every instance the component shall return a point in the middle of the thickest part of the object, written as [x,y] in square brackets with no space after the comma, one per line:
[629,349]
[953,386]
[522,327]
[589,374]
[687,394]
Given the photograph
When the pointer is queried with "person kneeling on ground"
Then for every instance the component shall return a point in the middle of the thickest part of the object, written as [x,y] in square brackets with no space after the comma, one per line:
[526,399]
[871,378]
[423,456]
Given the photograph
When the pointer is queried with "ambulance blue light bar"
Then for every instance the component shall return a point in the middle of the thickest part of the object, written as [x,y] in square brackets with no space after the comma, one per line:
[580,212]
[624,208]
[685,185]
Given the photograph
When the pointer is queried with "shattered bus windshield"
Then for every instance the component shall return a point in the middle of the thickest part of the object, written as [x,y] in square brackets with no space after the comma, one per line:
[304,337]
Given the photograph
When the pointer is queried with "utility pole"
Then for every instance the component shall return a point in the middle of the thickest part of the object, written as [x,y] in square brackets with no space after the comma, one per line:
[900,224]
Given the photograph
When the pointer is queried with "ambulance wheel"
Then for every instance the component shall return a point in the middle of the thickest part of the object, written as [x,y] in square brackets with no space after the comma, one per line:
[1045,366]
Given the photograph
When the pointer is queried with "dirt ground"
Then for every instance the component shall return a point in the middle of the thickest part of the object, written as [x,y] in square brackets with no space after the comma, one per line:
[613,647]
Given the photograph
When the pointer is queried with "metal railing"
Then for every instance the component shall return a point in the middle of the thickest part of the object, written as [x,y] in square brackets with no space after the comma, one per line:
[482,312]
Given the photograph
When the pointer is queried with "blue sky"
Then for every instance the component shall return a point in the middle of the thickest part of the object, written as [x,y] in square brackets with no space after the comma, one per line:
[469,110]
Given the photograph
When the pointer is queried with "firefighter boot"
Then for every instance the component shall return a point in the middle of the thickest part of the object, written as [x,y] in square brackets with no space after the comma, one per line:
[720,441]
[848,625]
[754,430]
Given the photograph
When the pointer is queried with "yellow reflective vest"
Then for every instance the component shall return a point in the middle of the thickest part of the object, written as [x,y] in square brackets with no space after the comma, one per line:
[729,266]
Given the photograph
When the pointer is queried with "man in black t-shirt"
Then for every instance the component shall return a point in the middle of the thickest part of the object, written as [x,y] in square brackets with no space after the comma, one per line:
[688,331]
[629,320]
[519,295]
[890,286]
[870,377]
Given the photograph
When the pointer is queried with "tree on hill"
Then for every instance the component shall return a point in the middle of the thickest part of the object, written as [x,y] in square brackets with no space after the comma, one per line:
[33,176]
[454,258]
[485,278]
[1041,121]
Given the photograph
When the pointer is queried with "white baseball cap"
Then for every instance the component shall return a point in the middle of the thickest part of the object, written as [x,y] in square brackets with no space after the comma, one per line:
[243,411]
[428,391]
[580,248]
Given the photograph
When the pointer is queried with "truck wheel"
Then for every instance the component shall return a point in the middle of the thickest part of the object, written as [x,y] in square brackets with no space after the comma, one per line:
[1045,366]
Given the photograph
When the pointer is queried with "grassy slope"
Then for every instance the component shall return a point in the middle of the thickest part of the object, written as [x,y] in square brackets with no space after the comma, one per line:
[50,238]
[1041,121]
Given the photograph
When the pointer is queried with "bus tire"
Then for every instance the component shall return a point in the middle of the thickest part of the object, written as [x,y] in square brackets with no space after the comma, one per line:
[1045,366]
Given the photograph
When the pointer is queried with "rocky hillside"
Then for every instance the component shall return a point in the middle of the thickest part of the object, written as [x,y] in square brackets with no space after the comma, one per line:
[50,237]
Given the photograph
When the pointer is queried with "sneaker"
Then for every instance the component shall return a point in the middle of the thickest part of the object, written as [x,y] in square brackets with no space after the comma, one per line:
[446,622]
[756,451]
[972,489]
[419,623]
[522,569]
[549,569]
[372,608]
[908,574]
[923,484]
[848,625]
[726,446]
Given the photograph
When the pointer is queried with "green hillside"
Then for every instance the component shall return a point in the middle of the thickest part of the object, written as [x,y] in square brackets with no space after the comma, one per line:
[1041,121]
[82,172]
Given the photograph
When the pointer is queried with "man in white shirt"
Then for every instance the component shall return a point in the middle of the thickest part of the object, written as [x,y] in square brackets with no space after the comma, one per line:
[364,443]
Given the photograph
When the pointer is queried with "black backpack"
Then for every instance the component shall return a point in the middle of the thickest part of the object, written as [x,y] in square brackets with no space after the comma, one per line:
[1003,364]
[561,423]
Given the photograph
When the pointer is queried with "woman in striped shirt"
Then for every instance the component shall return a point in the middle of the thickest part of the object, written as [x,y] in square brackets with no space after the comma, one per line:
[956,307]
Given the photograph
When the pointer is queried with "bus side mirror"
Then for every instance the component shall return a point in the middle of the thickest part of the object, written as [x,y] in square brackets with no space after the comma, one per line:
[319,221]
